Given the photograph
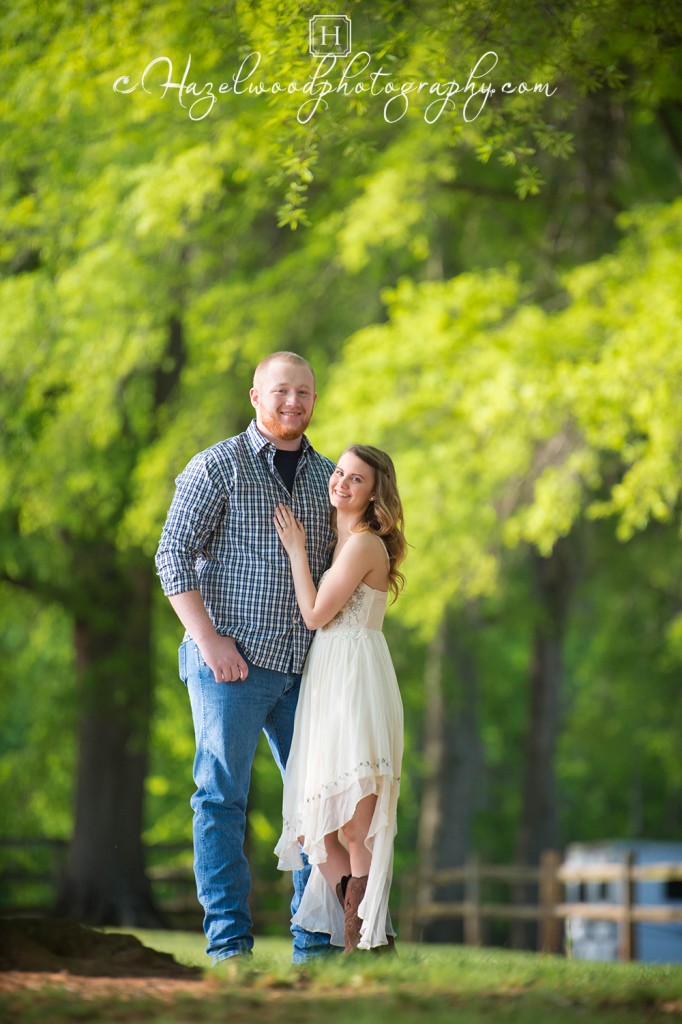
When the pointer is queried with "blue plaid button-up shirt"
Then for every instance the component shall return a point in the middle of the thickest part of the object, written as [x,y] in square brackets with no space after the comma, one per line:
[219,538]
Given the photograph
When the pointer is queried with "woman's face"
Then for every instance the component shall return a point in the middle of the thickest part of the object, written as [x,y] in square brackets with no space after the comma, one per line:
[351,485]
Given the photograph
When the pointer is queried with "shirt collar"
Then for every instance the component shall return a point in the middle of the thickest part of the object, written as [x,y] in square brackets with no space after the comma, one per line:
[260,443]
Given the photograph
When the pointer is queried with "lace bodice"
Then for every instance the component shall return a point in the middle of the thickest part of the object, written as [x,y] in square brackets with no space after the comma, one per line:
[364,610]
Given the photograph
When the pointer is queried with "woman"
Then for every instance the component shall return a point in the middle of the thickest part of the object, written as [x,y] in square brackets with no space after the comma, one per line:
[343,774]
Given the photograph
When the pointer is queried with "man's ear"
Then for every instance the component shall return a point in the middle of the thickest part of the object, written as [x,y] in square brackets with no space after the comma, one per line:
[253,395]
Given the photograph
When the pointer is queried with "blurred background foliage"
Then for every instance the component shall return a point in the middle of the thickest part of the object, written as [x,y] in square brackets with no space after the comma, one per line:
[496,301]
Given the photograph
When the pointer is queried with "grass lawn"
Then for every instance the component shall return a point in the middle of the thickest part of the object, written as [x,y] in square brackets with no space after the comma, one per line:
[434,984]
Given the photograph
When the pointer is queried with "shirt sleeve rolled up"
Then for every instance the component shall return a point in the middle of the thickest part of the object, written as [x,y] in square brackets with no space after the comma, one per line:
[196,511]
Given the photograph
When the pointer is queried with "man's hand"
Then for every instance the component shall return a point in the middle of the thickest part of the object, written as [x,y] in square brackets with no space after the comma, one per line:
[219,652]
[222,657]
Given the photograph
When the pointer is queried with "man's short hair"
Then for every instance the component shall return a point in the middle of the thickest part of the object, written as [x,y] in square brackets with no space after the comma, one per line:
[287,357]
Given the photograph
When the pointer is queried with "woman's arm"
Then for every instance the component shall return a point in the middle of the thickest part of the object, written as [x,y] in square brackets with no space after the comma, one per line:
[292,535]
[358,557]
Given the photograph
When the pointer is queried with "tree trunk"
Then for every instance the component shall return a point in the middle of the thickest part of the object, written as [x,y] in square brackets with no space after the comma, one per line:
[104,880]
[553,579]
[454,755]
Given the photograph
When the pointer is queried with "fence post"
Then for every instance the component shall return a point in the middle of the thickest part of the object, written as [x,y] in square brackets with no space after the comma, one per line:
[626,928]
[408,908]
[550,891]
[472,895]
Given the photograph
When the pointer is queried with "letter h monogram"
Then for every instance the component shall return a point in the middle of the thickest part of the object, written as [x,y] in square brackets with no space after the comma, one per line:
[330,34]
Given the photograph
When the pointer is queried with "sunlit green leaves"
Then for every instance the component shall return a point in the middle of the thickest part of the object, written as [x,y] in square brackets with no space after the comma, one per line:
[514,409]
[505,421]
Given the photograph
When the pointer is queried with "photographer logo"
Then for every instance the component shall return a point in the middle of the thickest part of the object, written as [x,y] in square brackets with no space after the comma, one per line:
[329,34]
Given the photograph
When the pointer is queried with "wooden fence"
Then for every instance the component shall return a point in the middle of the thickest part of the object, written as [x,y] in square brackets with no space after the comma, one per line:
[29,871]
[419,907]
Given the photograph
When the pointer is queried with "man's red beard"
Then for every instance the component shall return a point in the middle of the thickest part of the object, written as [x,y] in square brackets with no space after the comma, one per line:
[280,430]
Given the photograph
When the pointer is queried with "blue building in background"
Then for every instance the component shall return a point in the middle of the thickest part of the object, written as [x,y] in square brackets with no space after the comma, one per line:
[654,942]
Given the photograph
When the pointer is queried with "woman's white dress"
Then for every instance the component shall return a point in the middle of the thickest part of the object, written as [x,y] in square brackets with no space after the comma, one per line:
[347,743]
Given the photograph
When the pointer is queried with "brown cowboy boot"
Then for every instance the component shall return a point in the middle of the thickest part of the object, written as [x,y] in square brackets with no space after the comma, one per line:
[341,889]
[355,892]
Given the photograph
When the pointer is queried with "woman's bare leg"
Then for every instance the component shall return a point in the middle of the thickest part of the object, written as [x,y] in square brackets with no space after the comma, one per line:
[355,832]
[337,863]
[356,859]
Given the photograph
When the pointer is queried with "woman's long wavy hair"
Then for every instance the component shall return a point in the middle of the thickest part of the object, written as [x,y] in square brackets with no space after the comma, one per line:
[384,515]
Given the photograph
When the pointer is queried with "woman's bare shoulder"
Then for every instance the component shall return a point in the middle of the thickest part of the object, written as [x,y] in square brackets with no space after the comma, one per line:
[367,545]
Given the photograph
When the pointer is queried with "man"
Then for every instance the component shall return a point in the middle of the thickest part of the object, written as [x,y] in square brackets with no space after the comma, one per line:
[228,578]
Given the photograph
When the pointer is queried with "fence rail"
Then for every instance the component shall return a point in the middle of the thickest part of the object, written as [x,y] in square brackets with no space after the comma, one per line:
[419,907]
[29,871]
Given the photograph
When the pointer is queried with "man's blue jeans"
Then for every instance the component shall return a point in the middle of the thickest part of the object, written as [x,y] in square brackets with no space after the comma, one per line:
[228,719]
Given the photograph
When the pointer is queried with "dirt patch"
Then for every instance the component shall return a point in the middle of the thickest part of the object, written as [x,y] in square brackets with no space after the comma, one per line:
[65,948]
[123,989]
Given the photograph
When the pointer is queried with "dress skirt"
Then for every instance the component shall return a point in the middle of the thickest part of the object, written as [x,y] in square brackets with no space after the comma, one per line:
[347,744]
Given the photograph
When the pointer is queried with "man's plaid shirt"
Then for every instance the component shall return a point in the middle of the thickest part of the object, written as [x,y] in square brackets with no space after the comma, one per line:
[219,538]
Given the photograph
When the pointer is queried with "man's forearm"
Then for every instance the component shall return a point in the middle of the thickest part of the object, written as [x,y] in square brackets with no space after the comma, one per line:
[219,652]
[191,610]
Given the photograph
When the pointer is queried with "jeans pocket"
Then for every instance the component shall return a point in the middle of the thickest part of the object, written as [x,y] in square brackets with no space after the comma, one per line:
[182,662]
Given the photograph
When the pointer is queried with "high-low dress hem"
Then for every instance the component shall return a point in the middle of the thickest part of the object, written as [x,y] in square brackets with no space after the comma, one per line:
[347,744]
